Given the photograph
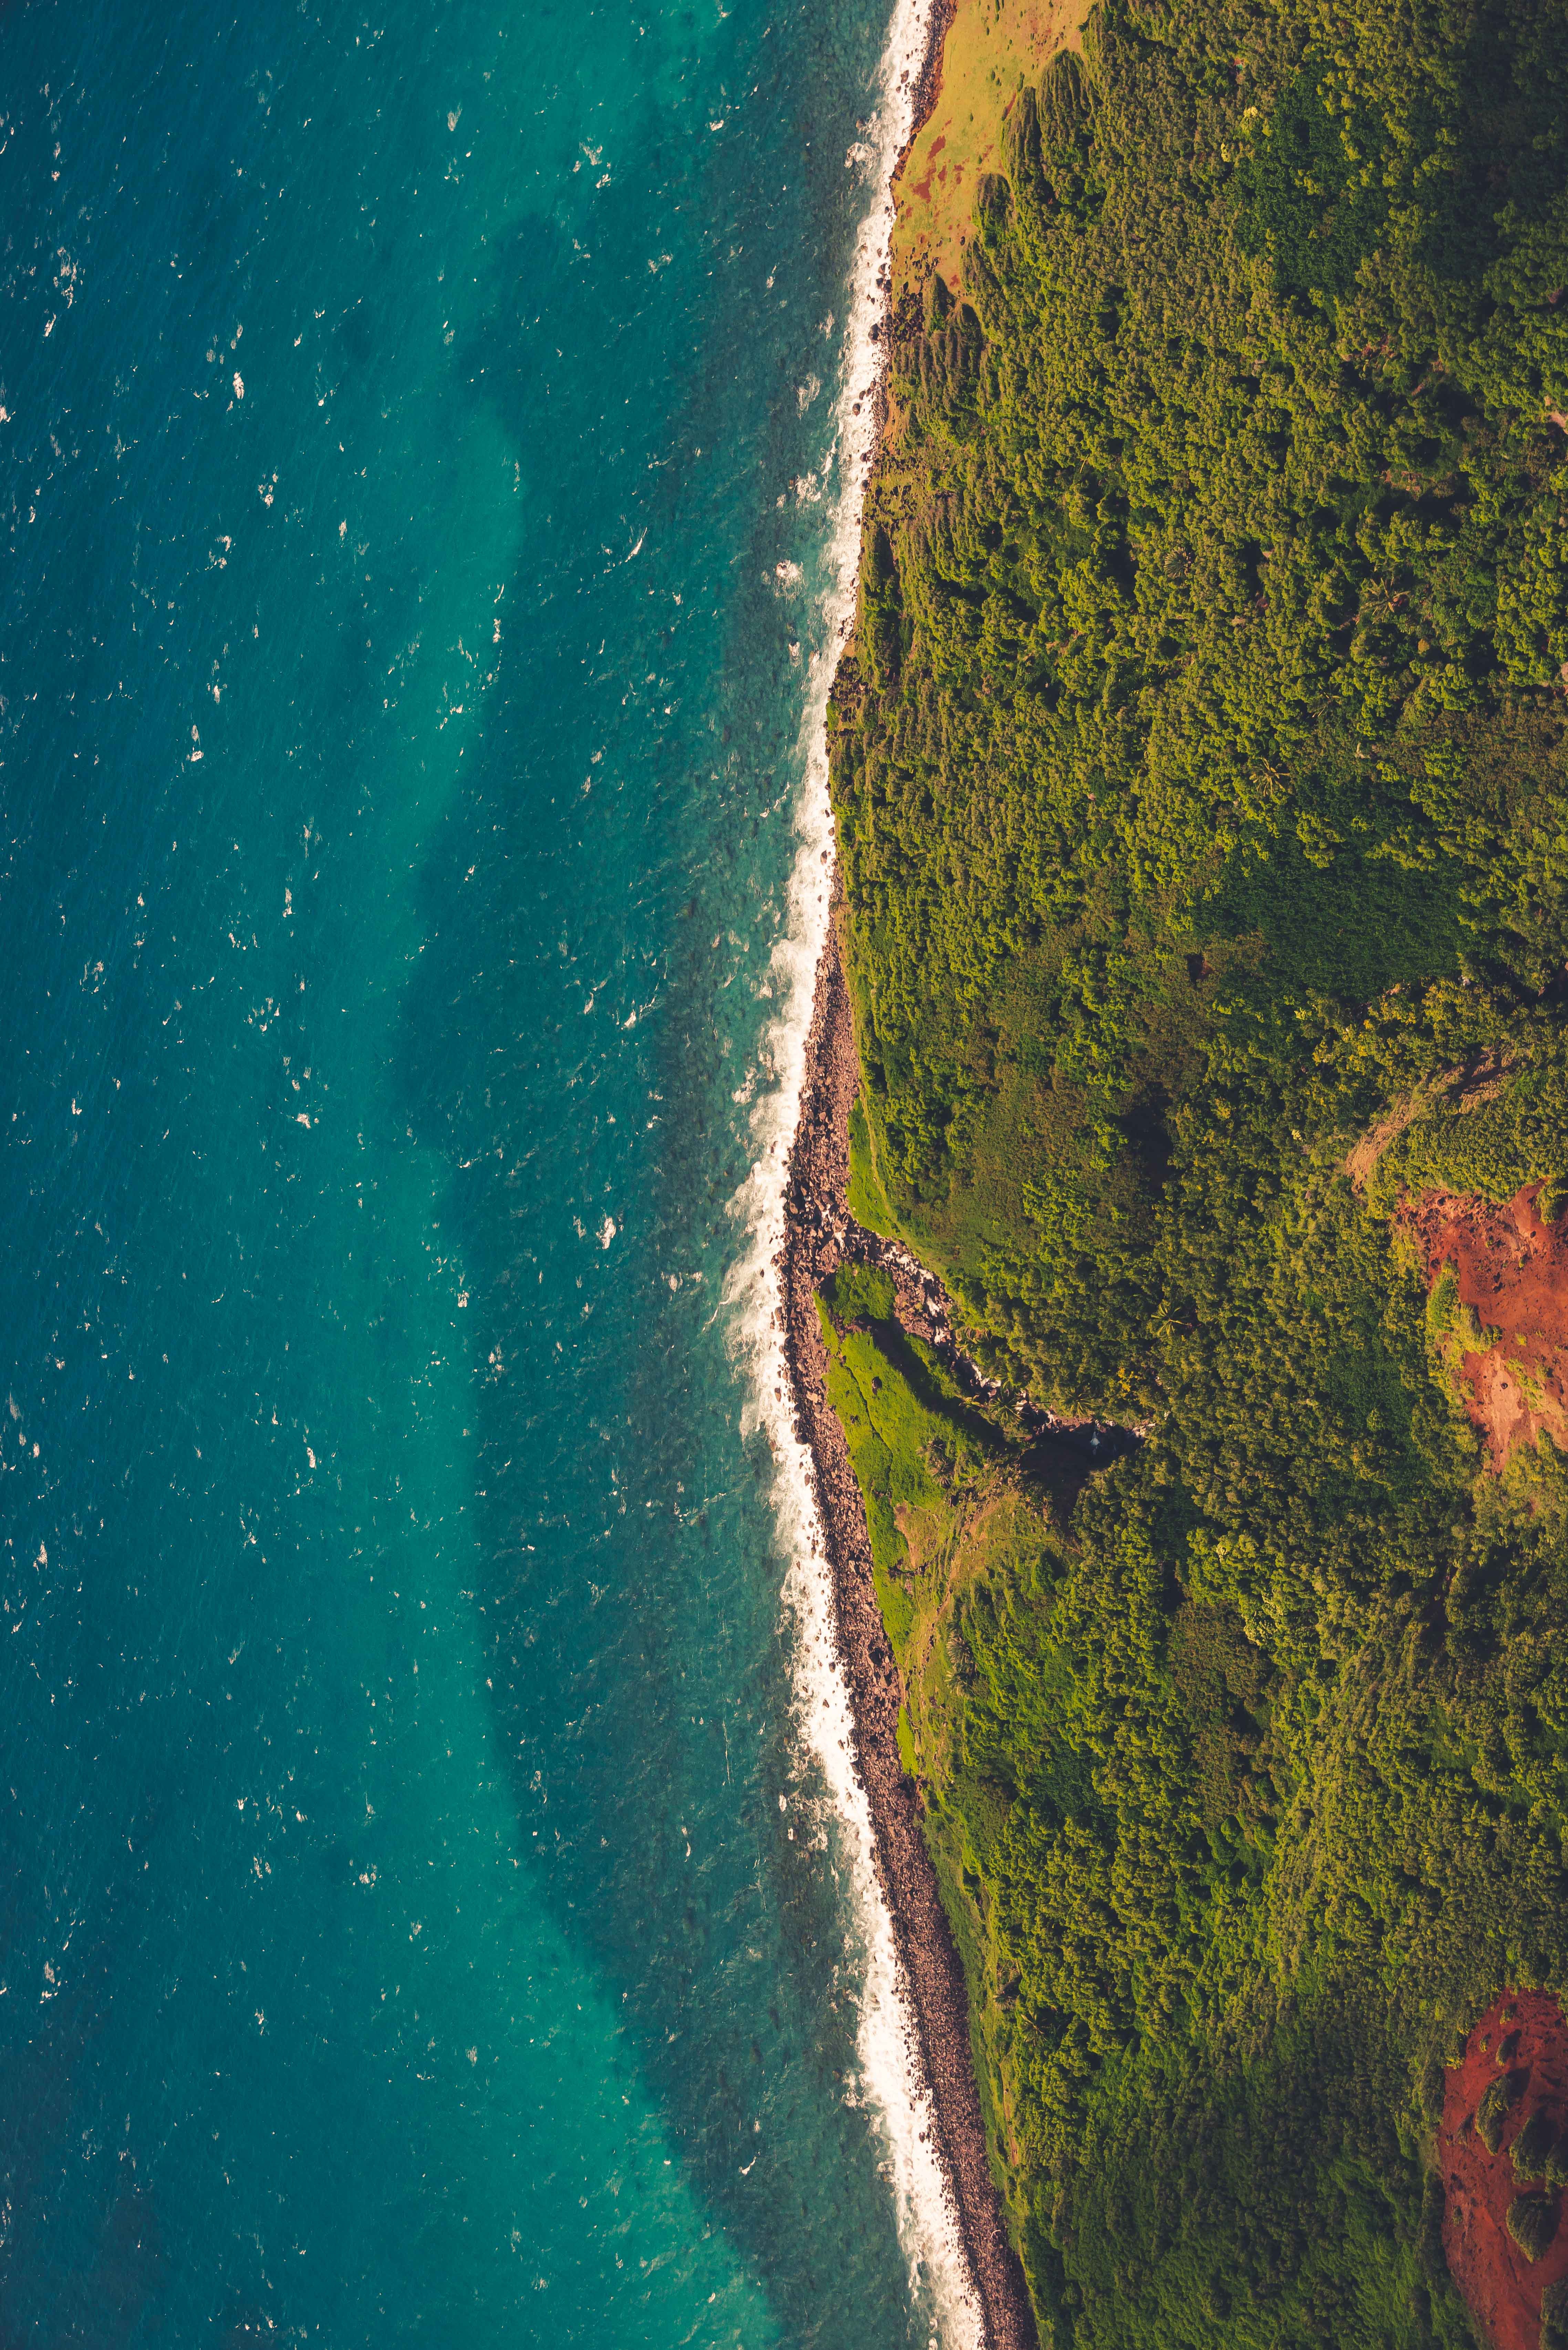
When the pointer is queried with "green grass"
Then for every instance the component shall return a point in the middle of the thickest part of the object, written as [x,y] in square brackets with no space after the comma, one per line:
[912,1439]
[866,1201]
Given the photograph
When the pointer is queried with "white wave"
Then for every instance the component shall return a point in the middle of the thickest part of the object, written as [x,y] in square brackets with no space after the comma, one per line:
[892,2082]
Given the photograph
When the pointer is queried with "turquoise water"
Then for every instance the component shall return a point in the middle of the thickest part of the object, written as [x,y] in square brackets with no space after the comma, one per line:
[405,415]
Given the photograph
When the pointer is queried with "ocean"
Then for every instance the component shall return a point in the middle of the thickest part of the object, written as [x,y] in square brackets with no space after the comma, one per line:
[436,1903]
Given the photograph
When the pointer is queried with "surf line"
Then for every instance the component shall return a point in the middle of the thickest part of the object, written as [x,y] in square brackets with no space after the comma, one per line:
[892,2081]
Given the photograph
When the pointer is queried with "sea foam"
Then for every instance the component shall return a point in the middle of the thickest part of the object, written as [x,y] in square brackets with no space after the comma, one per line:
[892,2082]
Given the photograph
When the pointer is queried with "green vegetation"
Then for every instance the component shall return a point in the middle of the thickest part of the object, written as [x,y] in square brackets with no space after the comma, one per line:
[1199,771]
[1530,2147]
[1554,2317]
[1533,2224]
[912,1438]
[1492,2113]
[867,1202]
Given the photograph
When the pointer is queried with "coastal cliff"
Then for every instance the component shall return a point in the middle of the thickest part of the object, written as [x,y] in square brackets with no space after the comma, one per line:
[1196,1019]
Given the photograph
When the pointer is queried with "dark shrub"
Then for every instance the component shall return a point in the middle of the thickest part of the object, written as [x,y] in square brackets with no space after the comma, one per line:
[1554,2317]
[1494,2110]
[1532,2146]
[1063,105]
[1434,2082]
[1532,2223]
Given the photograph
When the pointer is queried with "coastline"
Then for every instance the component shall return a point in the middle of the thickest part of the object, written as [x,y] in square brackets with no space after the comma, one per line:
[927,81]
[817,1225]
[912,2034]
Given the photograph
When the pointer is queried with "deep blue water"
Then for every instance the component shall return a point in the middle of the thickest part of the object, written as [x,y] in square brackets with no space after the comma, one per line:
[400,711]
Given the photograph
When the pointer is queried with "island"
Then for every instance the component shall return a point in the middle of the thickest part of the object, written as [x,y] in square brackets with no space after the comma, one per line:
[1177,1274]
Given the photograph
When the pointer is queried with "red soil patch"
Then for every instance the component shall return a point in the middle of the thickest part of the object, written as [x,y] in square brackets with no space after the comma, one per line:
[1502,2288]
[922,188]
[1513,1273]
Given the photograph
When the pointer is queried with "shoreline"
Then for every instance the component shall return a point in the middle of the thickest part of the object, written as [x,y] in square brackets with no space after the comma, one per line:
[927,81]
[811,1231]
[817,1225]
[817,1229]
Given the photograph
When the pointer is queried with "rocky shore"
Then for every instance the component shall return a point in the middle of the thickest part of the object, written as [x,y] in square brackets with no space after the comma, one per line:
[930,75]
[818,1235]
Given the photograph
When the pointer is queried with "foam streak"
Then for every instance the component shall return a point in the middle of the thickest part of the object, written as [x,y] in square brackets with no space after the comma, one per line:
[892,2081]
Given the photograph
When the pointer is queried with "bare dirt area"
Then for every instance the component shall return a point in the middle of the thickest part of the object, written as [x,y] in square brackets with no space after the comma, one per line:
[1521,2044]
[1509,1345]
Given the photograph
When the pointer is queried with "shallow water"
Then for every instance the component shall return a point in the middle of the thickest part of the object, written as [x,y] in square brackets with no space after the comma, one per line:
[422,1917]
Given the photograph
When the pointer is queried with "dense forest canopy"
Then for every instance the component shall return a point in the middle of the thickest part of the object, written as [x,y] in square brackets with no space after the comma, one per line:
[1198,772]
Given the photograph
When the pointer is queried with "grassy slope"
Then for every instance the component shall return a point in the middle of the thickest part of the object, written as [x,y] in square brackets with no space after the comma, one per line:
[993,49]
[1200,784]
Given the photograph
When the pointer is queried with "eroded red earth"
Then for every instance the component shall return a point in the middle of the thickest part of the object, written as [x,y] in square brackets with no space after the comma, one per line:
[1502,2288]
[1513,1273]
